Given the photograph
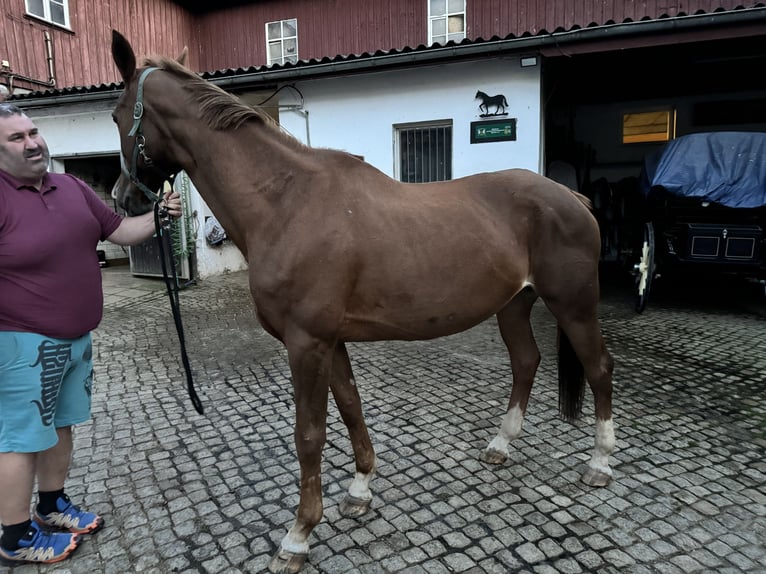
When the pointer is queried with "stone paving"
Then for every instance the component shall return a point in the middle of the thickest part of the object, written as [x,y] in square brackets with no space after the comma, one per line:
[215,493]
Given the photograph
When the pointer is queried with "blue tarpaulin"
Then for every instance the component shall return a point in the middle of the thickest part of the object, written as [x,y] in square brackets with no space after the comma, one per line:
[728,168]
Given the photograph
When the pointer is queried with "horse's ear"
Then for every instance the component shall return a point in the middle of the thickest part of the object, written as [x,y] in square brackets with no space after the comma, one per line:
[123,56]
[182,59]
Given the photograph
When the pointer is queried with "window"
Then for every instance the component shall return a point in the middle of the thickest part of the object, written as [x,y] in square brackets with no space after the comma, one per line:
[53,11]
[423,152]
[642,127]
[282,41]
[446,21]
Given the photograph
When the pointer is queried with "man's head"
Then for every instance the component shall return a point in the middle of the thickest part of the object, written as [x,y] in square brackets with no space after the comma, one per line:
[23,151]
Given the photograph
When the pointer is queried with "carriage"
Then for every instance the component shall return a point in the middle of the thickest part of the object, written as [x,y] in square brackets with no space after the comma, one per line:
[704,210]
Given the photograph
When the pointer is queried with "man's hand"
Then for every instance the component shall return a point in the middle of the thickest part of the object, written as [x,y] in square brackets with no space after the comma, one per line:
[172,204]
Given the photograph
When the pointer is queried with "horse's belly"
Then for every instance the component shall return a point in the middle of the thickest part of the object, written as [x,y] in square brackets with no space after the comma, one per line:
[407,330]
[426,317]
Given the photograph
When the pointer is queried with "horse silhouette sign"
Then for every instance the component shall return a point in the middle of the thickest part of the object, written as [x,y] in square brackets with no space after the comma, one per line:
[498,102]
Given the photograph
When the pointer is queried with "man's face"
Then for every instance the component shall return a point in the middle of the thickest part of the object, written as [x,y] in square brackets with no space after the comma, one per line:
[23,151]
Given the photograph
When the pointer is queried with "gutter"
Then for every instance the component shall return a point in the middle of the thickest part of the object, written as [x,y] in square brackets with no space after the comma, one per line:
[30,103]
[539,43]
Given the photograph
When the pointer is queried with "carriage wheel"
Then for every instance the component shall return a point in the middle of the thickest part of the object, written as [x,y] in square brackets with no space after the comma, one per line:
[644,269]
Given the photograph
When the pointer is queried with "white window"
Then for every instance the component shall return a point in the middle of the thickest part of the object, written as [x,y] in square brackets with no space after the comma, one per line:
[282,41]
[423,152]
[53,11]
[446,21]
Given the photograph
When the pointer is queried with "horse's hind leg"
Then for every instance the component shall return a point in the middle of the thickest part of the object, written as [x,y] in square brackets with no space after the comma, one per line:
[516,330]
[580,324]
[346,394]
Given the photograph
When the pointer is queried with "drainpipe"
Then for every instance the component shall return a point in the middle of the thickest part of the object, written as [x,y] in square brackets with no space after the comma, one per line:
[49,58]
[50,82]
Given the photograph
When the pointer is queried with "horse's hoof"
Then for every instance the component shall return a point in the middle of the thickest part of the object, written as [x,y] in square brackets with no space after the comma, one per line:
[493,456]
[593,477]
[353,507]
[284,562]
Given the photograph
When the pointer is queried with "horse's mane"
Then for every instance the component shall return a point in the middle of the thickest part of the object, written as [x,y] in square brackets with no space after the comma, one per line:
[219,109]
[584,199]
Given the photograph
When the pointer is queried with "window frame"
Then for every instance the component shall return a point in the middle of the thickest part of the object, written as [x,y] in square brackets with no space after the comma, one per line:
[46,15]
[445,17]
[283,59]
[399,129]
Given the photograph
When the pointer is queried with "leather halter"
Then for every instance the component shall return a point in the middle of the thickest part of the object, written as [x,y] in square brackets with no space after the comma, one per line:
[140,143]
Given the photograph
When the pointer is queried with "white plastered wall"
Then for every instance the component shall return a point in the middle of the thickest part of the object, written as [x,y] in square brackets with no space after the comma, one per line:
[357,114]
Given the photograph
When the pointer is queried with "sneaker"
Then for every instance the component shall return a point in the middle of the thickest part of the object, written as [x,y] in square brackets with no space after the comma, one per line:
[42,546]
[70,517]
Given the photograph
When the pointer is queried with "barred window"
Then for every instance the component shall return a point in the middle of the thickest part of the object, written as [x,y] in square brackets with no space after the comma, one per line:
[423,152]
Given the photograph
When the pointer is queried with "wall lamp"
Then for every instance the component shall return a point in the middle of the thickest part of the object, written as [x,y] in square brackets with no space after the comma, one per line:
[528,61]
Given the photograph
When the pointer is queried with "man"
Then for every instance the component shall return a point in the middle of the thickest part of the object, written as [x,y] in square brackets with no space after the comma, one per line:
[50,301]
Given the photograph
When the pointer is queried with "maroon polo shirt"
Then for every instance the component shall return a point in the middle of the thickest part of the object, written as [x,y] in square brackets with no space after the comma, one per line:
[50,279]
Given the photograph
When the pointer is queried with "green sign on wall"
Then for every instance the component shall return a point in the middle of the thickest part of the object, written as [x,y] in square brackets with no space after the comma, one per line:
[493,131]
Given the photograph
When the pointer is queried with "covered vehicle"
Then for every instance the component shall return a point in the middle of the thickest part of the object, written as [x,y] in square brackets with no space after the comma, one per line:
[705,202]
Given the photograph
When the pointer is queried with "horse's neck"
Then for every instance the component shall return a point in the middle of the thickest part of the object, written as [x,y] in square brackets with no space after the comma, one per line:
[239,173]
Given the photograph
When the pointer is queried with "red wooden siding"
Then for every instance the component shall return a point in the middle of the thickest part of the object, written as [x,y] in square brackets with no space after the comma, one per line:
[81,56]
[235,37]
[487,18]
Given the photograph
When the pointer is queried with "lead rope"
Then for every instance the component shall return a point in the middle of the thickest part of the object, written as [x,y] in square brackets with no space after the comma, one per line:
[159,226]
[162,226]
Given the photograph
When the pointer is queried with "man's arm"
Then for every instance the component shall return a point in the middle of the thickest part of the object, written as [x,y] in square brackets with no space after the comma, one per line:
[134,230]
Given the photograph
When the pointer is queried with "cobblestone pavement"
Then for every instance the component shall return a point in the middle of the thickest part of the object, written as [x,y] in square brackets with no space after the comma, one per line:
[215,493]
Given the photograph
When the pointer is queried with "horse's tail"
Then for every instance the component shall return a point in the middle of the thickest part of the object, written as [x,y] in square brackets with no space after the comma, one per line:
[571,379]
[505,102]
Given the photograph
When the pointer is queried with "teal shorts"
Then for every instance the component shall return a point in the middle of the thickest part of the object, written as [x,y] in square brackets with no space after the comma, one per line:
[45,384]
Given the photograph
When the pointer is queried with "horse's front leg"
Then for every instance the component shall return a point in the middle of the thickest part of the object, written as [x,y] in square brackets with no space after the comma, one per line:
[310,365]
[344,390]
[516,331]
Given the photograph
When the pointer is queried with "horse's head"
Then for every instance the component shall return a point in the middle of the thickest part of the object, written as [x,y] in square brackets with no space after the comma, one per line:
[144,157]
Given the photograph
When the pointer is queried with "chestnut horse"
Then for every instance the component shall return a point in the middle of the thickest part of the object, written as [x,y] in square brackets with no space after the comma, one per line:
[340,252]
